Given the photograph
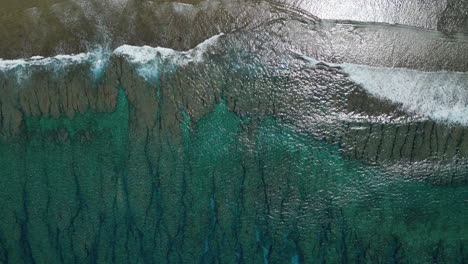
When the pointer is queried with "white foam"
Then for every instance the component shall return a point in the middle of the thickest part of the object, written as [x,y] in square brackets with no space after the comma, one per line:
[441,96]
[6,65]
[22,68]
[197,52]
[145,54]
[149,59]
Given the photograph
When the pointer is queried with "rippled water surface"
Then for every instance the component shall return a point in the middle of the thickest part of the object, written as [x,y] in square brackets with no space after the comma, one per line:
[234,132]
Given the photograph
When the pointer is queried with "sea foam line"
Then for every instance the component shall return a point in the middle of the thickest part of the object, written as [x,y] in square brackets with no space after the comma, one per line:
[7,65]
[21,69]
[441,96]
[148,59]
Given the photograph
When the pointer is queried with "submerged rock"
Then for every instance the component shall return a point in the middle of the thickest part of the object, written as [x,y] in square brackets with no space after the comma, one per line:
[288,139]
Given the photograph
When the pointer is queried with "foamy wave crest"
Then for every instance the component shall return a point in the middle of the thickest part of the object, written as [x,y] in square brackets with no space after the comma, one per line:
[22,68]
[441,96]
[149,59]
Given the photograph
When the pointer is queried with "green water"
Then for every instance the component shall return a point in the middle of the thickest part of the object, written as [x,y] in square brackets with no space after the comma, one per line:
[226,190]
[278,141]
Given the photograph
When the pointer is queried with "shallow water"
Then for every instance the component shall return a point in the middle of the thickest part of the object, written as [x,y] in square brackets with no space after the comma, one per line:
[288,139]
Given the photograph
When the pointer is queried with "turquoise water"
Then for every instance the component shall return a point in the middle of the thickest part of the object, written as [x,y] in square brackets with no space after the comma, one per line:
[223,156]
[231,190]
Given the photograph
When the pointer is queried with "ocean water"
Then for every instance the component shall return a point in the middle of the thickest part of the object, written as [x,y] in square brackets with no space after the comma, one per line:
[251,147]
